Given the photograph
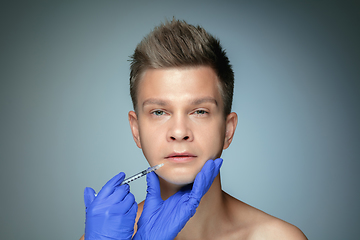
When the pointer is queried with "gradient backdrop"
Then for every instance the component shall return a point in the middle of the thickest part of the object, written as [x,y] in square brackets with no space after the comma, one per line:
[64,103]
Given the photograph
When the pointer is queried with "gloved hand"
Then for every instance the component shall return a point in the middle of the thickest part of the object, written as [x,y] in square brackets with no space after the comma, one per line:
[164,219]
[111,214]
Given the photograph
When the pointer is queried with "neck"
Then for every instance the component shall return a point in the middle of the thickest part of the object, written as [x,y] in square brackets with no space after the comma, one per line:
[210,212]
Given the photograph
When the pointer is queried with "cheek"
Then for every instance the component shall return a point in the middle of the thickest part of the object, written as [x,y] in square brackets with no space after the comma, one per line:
[150,141]
[212,141]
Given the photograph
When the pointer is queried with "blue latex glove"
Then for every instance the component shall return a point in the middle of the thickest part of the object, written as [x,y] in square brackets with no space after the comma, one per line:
[164,219]
[111,214]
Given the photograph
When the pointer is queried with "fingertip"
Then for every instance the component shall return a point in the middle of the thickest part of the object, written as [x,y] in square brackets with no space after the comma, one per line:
[125,187]
[89,190]
[208,165]
[117,179]
[218,162]
[89,196]
[111,185]
[152,180]
[151,177]
[121,177]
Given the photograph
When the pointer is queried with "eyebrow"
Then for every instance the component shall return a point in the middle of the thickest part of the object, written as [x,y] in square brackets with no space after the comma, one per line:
[204,100]
[154,101]
[197,101]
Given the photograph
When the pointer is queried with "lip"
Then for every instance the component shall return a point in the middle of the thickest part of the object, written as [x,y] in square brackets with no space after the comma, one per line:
[181,157]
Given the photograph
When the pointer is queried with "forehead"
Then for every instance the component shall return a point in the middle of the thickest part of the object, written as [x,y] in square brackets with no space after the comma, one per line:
[179,84]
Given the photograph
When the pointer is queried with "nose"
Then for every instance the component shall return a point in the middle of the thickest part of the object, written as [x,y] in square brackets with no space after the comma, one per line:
[180,130]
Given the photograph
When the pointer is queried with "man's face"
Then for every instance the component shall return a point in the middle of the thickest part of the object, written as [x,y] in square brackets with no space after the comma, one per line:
[180,121]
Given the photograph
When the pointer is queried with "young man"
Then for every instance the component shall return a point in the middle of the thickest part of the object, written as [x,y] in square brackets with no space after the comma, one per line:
[181,85]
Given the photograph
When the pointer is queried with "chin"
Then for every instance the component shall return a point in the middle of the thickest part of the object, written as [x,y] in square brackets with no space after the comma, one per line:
[180,180]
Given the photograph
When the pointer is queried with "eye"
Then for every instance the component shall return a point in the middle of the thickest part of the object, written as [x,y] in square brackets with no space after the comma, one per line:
[200,112]
[158,112]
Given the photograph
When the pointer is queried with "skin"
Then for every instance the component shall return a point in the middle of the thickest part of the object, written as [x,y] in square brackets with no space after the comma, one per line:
[181,110]
[180,122]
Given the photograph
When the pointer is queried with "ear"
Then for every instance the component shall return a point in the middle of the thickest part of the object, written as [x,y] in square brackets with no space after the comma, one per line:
[134,125]
[231,123]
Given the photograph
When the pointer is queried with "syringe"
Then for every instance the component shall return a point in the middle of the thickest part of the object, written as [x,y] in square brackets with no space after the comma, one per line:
[141,174]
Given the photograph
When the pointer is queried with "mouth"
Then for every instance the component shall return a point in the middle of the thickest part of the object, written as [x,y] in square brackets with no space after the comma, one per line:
[181,157]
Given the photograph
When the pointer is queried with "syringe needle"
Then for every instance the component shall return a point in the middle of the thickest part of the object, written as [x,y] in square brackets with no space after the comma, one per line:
[141,174]
[154,168]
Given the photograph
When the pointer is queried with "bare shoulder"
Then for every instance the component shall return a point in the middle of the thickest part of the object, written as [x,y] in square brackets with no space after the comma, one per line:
[276,229]
[254,224]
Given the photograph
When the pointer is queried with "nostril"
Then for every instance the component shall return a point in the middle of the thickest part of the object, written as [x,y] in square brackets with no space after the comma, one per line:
[180,138]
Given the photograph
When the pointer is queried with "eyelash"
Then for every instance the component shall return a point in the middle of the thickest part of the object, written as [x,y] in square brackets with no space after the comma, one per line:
[161,112]
[158,112]
[201,110]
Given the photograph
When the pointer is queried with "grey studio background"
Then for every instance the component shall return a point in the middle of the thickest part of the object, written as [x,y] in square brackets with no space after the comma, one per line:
[64,103]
